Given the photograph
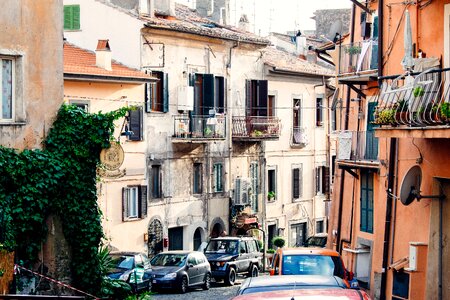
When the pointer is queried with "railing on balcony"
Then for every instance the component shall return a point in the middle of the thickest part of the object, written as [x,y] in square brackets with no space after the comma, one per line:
[358,57]
[299,136]
[256,127]
[416,100]
[357,145]
[199,127]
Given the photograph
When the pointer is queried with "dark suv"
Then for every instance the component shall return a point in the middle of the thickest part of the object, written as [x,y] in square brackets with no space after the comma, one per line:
[229,256]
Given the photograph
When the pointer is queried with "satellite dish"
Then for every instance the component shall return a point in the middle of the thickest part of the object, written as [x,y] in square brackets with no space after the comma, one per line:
[335,31]
[410,188]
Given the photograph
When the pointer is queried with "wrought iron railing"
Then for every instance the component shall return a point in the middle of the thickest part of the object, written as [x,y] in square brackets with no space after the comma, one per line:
[358,57]
[357,145]
[418,99]
[255,127]
[199,127]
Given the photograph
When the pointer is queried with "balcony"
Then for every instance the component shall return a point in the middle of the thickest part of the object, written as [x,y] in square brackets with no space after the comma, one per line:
[416,105]
[358,61]
[357,148]
[255,128]
[199,128]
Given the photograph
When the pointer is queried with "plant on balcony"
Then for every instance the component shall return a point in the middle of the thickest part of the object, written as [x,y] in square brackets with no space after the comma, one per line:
[402,113]
[385,116]
[257,133]
[208,132]
[353,50]
[418,91]
[271,195]
[445,111]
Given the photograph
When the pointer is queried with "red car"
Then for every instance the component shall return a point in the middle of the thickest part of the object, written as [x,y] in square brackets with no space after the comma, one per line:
[297,294]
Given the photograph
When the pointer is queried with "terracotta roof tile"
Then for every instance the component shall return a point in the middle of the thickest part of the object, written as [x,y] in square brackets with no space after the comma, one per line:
[82,61]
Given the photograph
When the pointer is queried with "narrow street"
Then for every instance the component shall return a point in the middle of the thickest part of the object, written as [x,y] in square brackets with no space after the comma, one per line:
[218,291]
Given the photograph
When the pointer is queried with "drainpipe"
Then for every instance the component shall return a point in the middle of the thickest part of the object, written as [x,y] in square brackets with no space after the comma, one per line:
[347,112]
[387,224]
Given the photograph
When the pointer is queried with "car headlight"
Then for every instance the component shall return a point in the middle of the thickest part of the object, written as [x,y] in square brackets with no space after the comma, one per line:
[220,263]
[170,276]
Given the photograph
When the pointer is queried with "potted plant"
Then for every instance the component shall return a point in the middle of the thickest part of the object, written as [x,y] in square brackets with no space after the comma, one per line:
[271,195]
[385,117]
[445,111]
[257,133]
[402,113]
[278,241]
[418,91]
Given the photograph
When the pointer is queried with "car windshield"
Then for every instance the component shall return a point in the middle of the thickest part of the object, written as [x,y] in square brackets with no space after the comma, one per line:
[222,246]
[258,289]
[316,241]
[168,260]
[123,262]
[311,265]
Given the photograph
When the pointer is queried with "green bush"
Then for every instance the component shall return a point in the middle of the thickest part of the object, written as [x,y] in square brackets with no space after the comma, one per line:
[270,251]
[278,241]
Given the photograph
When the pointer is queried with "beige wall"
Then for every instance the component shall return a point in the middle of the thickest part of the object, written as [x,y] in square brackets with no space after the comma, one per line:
[38,68]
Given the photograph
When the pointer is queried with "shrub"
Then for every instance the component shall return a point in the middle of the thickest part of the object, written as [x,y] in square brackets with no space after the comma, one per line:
[270,251]
[278,241]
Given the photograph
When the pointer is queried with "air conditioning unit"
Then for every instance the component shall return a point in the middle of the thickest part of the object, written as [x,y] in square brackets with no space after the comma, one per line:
[242,191]
[185,98]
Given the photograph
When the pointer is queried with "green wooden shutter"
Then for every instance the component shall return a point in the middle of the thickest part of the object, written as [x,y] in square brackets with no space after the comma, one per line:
[71,17]
[67,17]
[208,93]
[165,92]
[75,17]
[218,177]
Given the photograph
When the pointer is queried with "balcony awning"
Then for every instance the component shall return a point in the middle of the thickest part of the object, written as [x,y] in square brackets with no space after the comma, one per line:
[352,165]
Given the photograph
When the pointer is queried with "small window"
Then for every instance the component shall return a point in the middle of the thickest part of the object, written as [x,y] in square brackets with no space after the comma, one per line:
[156,181]
[319,112]
[7,89]
[197,184]
[322,180]
[84,105]
[71,17]
[135,124]
[134,202]
[272,184]
[319,226]
[157,94]
[218,177]
[297,182]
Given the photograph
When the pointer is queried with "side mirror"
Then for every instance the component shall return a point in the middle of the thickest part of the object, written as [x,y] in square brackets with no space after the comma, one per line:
[190,265]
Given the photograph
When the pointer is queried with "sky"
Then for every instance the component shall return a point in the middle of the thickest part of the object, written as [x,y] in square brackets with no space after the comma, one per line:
[280,15]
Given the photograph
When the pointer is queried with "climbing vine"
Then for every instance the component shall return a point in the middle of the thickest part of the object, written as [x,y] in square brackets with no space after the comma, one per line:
[58,180]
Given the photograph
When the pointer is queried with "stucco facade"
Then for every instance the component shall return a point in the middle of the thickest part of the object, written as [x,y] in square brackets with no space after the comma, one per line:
[37,83]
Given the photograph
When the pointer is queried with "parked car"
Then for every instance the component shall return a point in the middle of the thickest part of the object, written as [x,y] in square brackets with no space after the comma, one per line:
[317,240]
[309,261]
[319,294]
[229,256]
[180,270]
[133,268]
[264,284]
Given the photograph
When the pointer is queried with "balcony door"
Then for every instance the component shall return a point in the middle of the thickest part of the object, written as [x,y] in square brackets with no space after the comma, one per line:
[371,140]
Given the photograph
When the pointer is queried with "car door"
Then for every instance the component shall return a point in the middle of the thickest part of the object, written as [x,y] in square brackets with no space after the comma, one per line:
[192,269]
[203,266]
[243,261]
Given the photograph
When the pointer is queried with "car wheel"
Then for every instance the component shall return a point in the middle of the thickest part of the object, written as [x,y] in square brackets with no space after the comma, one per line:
[231,277]
[207,283]
[254,271]
[184,285]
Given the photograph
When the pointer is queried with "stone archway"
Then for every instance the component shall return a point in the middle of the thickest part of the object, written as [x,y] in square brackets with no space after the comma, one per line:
[218,228]
[197,240]
[155,238]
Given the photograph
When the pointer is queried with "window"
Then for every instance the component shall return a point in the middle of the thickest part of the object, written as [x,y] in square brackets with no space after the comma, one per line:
[197,183]
[218,177]
[366,217]
[84,105]
[71,17]
[209,93]
[297,182]
[157,94]
[319,112]
[322,180]
[254,185]
[134,202]
[256,98]
[298,234]
[7,88]
[156,181]
[271,106]
[272,183]
[319,226]
[135,125]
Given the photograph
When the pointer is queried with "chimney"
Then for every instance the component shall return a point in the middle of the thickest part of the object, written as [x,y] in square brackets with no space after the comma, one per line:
[166,7]
[147,7]
[103,55]
[243,23]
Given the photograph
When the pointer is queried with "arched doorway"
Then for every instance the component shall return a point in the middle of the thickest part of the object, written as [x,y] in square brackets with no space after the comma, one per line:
[197,238]
[155,238]
[217,230]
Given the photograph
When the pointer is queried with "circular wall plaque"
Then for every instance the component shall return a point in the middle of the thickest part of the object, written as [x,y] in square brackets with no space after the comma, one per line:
[112,158]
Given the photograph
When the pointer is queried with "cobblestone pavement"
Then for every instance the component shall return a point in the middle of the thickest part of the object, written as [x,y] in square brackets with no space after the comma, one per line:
[218,291]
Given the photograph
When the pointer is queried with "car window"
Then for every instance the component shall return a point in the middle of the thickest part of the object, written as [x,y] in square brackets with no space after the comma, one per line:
[200,258]
[222,246]
[192,260]
[146,261]
[124,262]
[252,246]
[310,265]
[138,260]
[168,259]
[242,247]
